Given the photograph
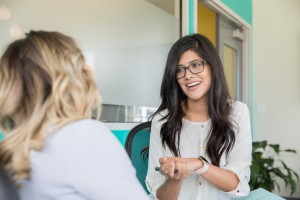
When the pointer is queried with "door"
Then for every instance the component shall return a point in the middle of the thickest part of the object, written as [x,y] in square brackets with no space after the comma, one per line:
[230,46]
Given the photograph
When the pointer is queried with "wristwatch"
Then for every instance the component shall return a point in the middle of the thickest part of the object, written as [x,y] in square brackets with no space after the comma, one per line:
[205,166]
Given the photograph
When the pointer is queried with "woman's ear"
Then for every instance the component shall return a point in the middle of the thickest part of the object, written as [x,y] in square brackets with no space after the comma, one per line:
[88,71]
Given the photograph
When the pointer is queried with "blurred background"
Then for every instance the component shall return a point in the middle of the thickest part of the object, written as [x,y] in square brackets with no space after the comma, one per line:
[126,43]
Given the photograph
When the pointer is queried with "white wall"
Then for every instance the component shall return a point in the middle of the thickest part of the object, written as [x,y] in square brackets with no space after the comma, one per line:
[276,76]
[125,41]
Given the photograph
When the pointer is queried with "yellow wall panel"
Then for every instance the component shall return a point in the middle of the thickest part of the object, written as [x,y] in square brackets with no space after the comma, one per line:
[207,23]
[230,57]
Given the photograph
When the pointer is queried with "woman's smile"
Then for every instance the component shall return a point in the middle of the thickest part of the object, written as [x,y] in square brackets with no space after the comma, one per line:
[193,85]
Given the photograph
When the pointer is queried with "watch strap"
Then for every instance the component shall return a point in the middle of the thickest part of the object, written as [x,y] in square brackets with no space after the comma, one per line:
[205,166]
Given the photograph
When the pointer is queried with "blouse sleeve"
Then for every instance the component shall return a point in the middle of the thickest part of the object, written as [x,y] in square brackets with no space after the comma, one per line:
[154,179]
[239,158]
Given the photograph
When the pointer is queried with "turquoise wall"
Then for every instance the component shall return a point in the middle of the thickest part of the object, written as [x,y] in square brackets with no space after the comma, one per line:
[191,17]
[242,7]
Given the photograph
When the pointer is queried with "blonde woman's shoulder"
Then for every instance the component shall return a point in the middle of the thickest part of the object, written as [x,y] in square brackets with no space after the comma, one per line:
[85,128]
[91,122]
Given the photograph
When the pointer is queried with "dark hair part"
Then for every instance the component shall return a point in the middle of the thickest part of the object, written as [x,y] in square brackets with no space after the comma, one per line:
[221,136]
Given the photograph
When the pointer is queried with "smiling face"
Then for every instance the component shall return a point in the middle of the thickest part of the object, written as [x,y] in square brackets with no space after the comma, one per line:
[194,86]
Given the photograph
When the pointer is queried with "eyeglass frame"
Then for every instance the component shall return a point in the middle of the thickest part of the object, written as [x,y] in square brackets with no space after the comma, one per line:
[203,62]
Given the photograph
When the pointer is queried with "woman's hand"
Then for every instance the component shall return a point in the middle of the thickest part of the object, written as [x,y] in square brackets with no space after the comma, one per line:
[178,168]
[174,168]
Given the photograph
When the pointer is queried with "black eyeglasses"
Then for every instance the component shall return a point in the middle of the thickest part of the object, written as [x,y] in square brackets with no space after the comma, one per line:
[195,68]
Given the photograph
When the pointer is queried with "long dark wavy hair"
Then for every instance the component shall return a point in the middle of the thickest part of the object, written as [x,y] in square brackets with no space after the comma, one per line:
[221,135]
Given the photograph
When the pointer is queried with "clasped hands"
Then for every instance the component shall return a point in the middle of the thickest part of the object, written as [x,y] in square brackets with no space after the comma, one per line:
[179,168]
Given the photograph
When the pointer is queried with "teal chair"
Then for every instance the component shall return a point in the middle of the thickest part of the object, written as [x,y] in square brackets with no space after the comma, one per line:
[136,145]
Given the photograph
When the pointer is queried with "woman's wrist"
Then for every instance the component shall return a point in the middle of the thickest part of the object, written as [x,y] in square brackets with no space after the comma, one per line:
[204,167]
[199,165]
[194,164]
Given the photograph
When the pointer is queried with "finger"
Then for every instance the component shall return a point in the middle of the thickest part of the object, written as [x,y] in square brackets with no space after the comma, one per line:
[162,160]
[171,169]
[178,170]
[163,169]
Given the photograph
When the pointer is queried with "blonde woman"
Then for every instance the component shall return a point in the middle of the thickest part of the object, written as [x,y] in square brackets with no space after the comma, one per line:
[51,148]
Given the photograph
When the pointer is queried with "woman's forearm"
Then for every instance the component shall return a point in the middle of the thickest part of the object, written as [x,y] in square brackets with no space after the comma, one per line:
[169,190]
[224,180]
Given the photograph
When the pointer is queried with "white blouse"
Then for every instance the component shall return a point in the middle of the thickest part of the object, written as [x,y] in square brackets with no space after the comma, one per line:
[192,145]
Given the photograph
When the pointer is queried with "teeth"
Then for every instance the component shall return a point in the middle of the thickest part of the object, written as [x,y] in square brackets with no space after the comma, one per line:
[193,84]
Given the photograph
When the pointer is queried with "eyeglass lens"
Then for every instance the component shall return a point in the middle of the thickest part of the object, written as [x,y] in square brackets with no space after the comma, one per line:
[195,68]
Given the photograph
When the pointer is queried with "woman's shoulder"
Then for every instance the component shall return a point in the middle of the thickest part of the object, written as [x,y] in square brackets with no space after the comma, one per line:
[239,109]
[84,128]
[239,106]
[89,132]
[91,123]
[159,119]
[159,116]
[88,125]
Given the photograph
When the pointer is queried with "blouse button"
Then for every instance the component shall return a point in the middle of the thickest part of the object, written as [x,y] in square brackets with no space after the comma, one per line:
[202,126]
[200,183]
[238,191]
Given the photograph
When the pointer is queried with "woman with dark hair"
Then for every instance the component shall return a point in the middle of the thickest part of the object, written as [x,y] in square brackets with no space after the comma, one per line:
[200,144]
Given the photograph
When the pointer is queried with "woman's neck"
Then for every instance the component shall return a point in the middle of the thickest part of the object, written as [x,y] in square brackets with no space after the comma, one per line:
[196,111]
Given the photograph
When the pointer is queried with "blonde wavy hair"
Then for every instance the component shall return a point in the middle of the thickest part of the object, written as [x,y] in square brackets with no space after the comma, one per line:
[43,82]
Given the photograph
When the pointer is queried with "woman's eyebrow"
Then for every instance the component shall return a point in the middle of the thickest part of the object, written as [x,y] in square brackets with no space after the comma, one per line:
[190,62]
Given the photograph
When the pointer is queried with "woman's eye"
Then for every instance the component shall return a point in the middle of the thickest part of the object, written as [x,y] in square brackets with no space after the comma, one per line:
[179,70]
[196,65]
